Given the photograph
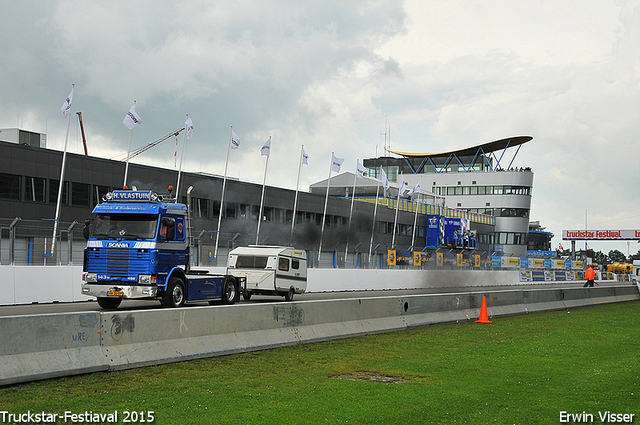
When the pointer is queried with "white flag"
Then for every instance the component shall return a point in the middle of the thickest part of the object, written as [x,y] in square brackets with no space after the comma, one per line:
[66,106]
[305,157]
[360,170]
[235,140]
[132,120]
[189,125]
[336,163]
[415,189]
[175,155]
[383,178]
[403,185]
[266,147]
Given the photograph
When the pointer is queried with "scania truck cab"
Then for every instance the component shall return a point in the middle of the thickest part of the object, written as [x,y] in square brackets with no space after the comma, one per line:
[138,248]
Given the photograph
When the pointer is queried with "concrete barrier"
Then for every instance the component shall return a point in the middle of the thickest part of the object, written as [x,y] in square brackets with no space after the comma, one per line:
[46,346]
[49,345]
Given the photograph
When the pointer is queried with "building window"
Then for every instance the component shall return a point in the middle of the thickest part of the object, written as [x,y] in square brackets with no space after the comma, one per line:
[9,186]
[230,210]
[35,189]
[508,238]
[54,185]
[268,214]
[80,194]
[245,211]
[199,207]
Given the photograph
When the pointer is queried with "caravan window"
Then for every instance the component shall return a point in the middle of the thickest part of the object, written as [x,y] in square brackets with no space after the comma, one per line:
[295,264]
[283,264]
[251,262]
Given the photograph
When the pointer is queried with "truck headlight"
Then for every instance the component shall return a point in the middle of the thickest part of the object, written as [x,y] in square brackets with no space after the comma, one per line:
[90,277]
[147,279]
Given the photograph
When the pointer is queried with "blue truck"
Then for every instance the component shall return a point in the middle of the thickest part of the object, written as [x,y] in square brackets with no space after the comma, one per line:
[138,248]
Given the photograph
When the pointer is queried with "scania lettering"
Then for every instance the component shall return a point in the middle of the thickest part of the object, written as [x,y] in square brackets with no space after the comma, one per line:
[138,248]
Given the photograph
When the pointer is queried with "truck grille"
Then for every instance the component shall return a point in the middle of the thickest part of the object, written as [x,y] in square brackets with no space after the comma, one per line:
[119,262]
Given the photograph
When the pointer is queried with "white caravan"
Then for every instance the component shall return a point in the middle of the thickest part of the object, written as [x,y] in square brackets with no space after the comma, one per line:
[269,270]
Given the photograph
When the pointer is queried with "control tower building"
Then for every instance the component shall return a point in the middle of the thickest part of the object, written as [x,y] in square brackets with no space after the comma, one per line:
[481,179]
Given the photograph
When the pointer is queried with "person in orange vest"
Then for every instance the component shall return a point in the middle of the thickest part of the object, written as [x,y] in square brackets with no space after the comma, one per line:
[590,275]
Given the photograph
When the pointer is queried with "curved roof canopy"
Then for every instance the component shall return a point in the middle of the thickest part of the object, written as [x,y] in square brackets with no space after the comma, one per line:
[485,148]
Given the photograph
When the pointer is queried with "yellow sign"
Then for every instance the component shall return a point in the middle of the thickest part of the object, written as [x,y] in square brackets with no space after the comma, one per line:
[459,259]
[417,257]
[477,260]
[439,259]
[391,257]
[538,262]
[511,261]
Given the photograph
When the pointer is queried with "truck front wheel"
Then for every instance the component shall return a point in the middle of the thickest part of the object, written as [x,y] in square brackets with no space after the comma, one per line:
[109,303]
[230,292]
[175,295]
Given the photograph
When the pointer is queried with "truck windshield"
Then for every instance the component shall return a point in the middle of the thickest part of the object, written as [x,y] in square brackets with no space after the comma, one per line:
[251,262]
[125,226]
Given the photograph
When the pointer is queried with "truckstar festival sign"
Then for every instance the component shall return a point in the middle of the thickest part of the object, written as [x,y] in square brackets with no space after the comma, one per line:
[601,235]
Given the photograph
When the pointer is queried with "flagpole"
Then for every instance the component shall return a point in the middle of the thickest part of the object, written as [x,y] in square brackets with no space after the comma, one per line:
[395,221]
[264,181]
[373,226]
[126,167]
[295,202]
[224,185]
[324,214]
[184,142]
[415,219]
[64,160]
[353,195]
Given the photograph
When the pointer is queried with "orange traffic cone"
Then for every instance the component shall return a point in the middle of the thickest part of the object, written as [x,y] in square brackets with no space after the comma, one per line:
[484,317]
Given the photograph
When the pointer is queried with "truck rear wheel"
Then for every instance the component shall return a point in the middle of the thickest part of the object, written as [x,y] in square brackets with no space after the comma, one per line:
[230,292]
[109,303]
[175,295]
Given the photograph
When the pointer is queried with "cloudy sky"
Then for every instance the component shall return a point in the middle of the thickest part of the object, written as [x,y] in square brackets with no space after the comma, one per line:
[330,74]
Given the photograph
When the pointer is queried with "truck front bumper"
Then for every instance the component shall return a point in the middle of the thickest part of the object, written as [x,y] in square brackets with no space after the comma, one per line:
[119,291]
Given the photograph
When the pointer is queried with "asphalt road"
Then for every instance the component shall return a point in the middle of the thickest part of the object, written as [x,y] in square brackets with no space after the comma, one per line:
[19,310]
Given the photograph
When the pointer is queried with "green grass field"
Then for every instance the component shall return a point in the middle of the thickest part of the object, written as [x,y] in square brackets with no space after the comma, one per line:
[518,370]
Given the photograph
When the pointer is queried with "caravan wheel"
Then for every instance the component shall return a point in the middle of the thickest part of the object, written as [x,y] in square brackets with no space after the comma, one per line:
[289,295]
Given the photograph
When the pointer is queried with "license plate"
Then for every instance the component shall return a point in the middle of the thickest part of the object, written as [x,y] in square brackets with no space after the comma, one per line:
[115,293]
